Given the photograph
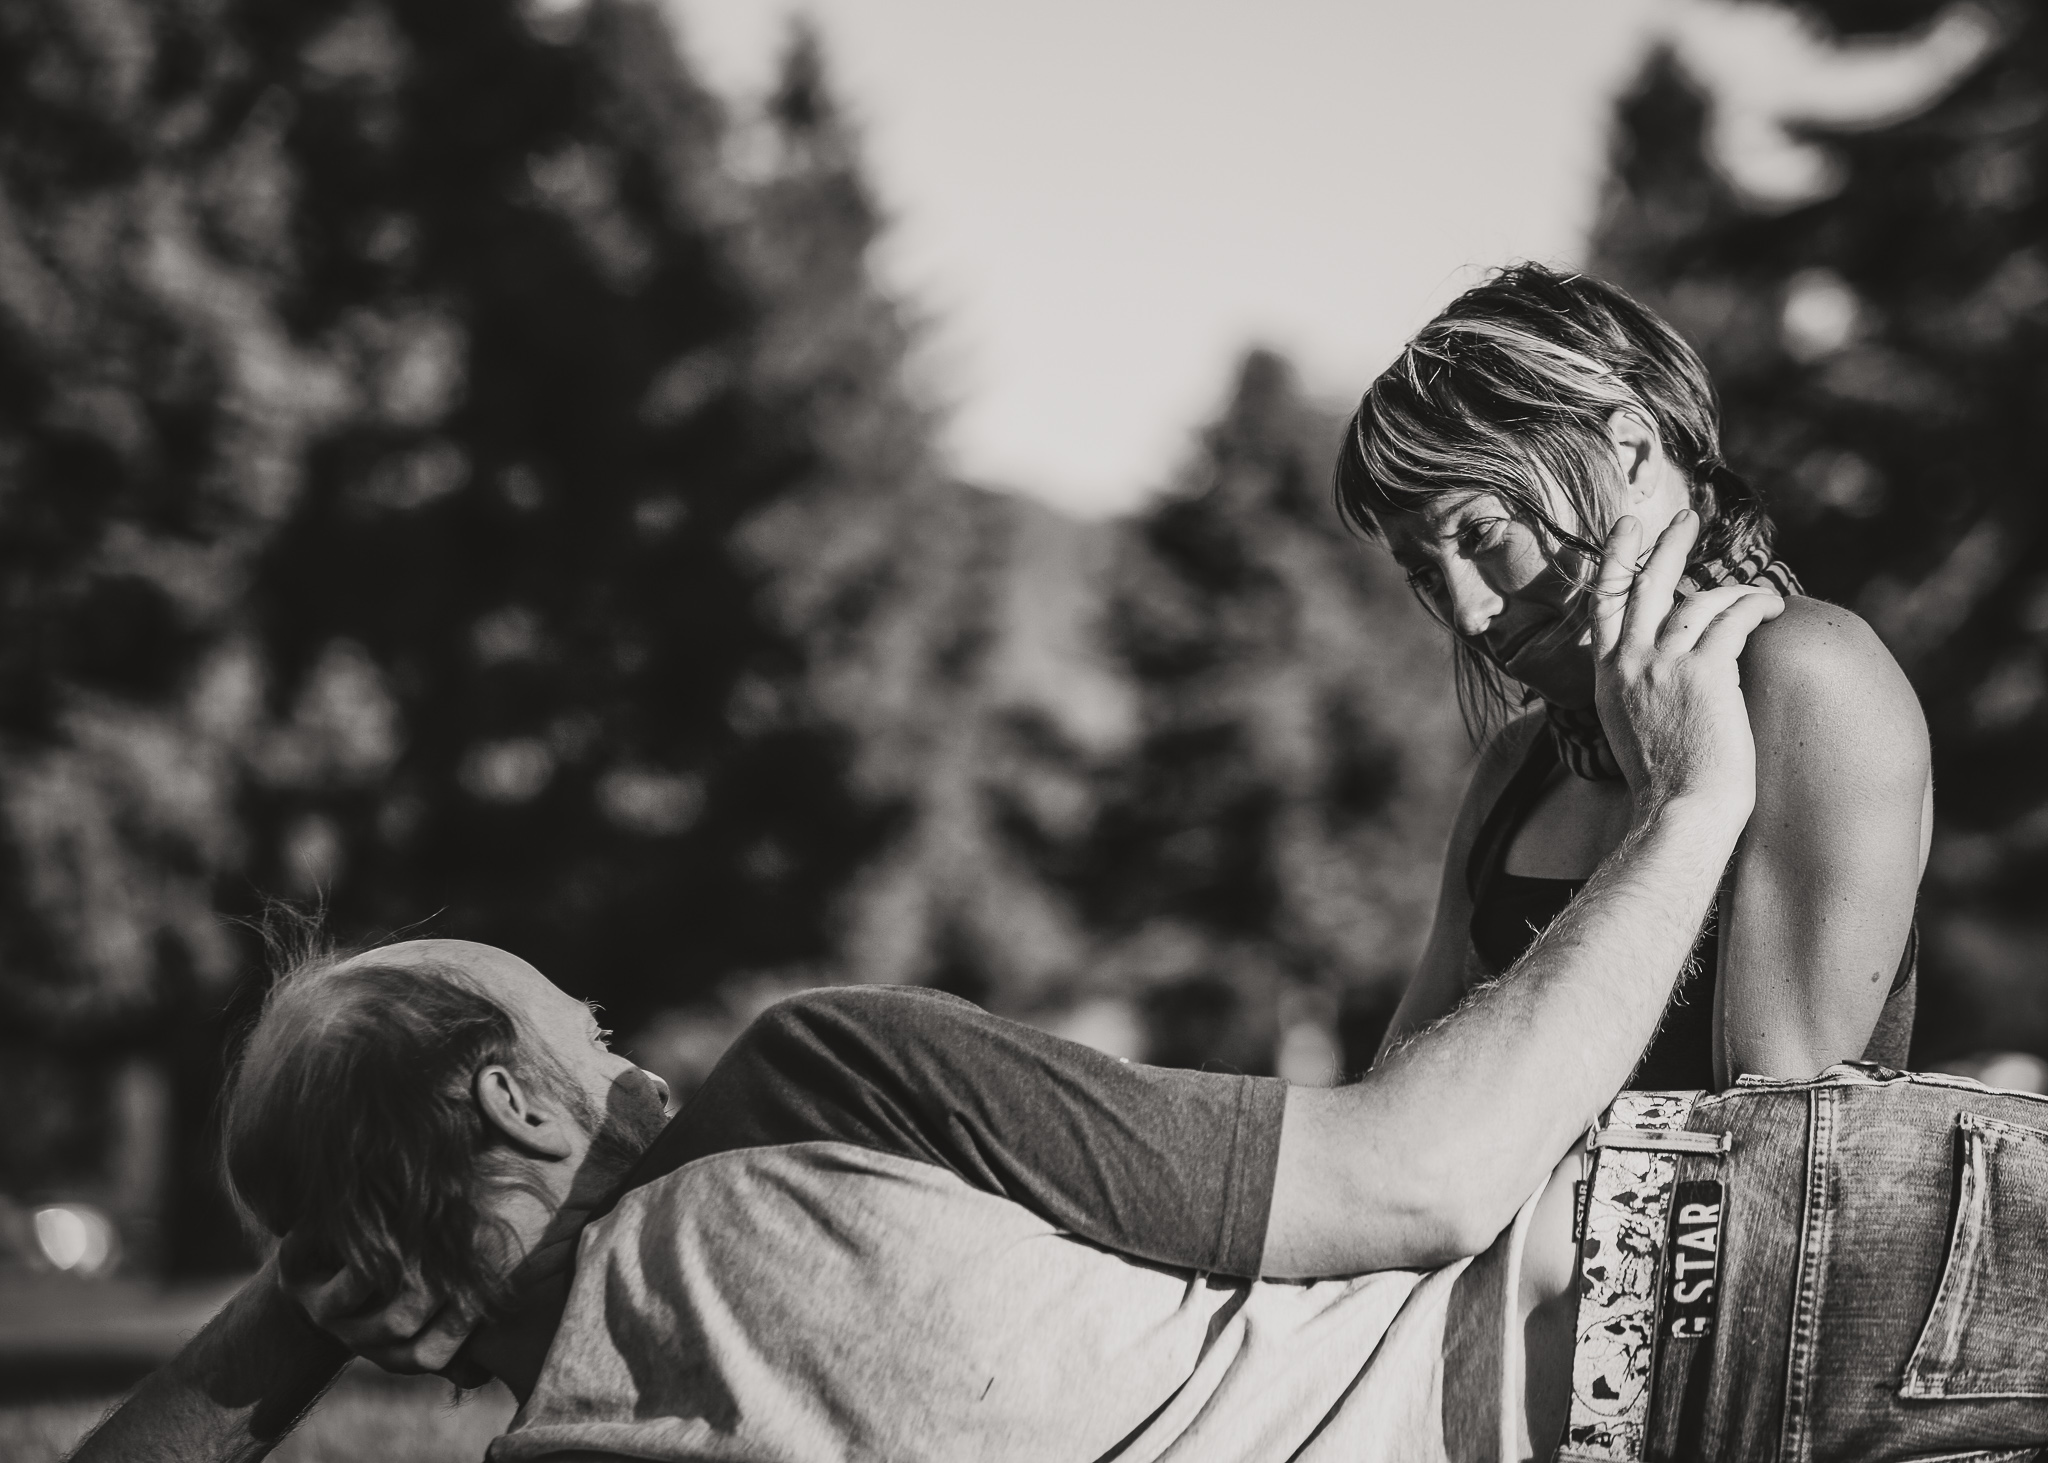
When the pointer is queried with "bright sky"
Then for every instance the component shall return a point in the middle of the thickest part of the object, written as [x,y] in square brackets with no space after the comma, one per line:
[1100,203]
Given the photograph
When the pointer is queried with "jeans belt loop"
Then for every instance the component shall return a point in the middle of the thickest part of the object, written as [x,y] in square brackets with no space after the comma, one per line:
[1621,1259]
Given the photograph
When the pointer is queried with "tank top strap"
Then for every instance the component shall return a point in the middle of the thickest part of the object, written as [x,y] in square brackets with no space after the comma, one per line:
[1509,811]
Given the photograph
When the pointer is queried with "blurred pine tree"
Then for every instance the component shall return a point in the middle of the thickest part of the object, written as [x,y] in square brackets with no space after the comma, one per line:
[392,404]
[1268,846]
[947,627]
[451,465]
[1882,352]
[458,470]
[530,686]
[151,406]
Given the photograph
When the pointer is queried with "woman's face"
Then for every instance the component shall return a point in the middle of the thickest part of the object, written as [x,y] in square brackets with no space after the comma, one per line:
[1491,578]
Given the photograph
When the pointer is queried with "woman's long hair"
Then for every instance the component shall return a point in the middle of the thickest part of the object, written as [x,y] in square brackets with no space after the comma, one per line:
[1509,392]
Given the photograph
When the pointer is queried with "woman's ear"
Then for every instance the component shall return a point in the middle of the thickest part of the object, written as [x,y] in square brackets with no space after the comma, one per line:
[508,1106]
[1636,448]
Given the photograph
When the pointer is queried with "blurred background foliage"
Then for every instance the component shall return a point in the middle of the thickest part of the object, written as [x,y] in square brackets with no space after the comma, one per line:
[454,467]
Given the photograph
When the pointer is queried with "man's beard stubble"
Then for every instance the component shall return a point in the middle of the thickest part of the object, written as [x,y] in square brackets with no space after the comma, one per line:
[633,1118]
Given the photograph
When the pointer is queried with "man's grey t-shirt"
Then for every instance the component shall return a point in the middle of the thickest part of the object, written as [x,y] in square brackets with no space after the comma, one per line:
[1161,1164]
[892,1226]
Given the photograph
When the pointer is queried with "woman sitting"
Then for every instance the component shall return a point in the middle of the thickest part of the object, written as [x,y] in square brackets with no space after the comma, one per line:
[1491,459]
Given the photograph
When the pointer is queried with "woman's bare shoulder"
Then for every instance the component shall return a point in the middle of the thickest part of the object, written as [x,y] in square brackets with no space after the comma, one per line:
[1821,685]
[1813,634]
[1814,640]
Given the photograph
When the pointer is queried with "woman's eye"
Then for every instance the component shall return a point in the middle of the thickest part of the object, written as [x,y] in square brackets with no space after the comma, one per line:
[1486,535]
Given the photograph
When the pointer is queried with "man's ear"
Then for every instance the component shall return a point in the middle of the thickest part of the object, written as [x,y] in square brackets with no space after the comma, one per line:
[1636,447]
[509,1106]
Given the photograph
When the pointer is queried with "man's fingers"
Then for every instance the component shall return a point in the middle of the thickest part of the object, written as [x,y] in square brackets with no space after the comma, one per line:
[413,1331]
[436,1345]
[466,1372]
[1685,625]
[429,1346]
[329,1298]
[1656,585]
[396,1323]
[1731,628]
[432,1350]
[1611,584]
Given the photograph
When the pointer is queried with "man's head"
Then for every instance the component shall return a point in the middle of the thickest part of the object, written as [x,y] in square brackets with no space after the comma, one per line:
[419,1114]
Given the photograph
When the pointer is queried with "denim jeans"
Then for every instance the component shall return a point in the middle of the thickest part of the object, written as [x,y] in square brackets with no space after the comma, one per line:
[1884,1286]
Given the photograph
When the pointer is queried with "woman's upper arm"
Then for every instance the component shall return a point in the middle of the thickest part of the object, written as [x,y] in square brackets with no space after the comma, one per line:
[1439,981]
[1826,873]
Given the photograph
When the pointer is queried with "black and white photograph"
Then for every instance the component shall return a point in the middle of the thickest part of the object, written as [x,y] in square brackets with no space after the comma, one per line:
[955,731]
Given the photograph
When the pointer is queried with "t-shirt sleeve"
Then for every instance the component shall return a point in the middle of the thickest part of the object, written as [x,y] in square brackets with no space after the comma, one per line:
[1170,1166]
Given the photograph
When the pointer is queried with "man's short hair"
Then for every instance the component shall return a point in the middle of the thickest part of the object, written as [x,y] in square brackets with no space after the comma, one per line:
[351,1123]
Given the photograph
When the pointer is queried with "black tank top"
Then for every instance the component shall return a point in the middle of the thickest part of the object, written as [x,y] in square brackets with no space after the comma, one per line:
[1510,910]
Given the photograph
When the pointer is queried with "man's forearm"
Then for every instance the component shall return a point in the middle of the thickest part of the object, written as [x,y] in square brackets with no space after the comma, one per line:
[232,1393]
[1454,1129]
[1530,1060]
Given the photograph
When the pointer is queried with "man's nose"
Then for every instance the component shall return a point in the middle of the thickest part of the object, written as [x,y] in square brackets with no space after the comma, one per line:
[668,1102]
[1473,602]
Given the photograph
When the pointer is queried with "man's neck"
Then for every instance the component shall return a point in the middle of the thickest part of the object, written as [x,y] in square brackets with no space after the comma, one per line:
[547,1233]
[514,1349]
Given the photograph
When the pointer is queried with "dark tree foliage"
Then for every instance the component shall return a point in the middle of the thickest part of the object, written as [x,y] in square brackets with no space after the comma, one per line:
[392,399]
[1882,353]
[146,402]
[512,589]
[122,500]
[1273,830]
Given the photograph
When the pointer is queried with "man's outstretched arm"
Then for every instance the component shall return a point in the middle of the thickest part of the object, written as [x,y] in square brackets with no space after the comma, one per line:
[234,1391]
[1429,1155]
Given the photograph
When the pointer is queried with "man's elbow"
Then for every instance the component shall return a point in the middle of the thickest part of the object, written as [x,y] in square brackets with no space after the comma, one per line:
[1436,1210]
[1438,1228]
[1360,1190]
[1449,1188]
[1468,1218]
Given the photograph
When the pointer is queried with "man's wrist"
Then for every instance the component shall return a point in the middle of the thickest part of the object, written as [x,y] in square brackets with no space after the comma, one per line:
[1712,817]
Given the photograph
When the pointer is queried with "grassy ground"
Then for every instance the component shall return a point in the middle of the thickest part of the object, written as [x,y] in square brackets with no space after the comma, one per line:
[367,1418]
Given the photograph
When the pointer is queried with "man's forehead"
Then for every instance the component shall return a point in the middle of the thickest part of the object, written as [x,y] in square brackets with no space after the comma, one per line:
[495,969]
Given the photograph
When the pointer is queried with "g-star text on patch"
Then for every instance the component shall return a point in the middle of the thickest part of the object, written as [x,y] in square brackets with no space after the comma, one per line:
[1692,1271]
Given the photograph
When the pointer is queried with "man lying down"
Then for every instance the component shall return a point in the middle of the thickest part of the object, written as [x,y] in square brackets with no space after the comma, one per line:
[893,1227]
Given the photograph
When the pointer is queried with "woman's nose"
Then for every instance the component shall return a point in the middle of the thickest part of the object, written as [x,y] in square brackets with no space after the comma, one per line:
[1473,602]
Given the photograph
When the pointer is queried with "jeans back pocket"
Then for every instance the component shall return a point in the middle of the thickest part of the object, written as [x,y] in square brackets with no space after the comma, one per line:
[1987,1334]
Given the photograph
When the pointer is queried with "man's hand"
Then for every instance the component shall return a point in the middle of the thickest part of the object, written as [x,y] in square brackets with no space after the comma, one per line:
[1430,1154]
[1665,677]
[412,1331]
